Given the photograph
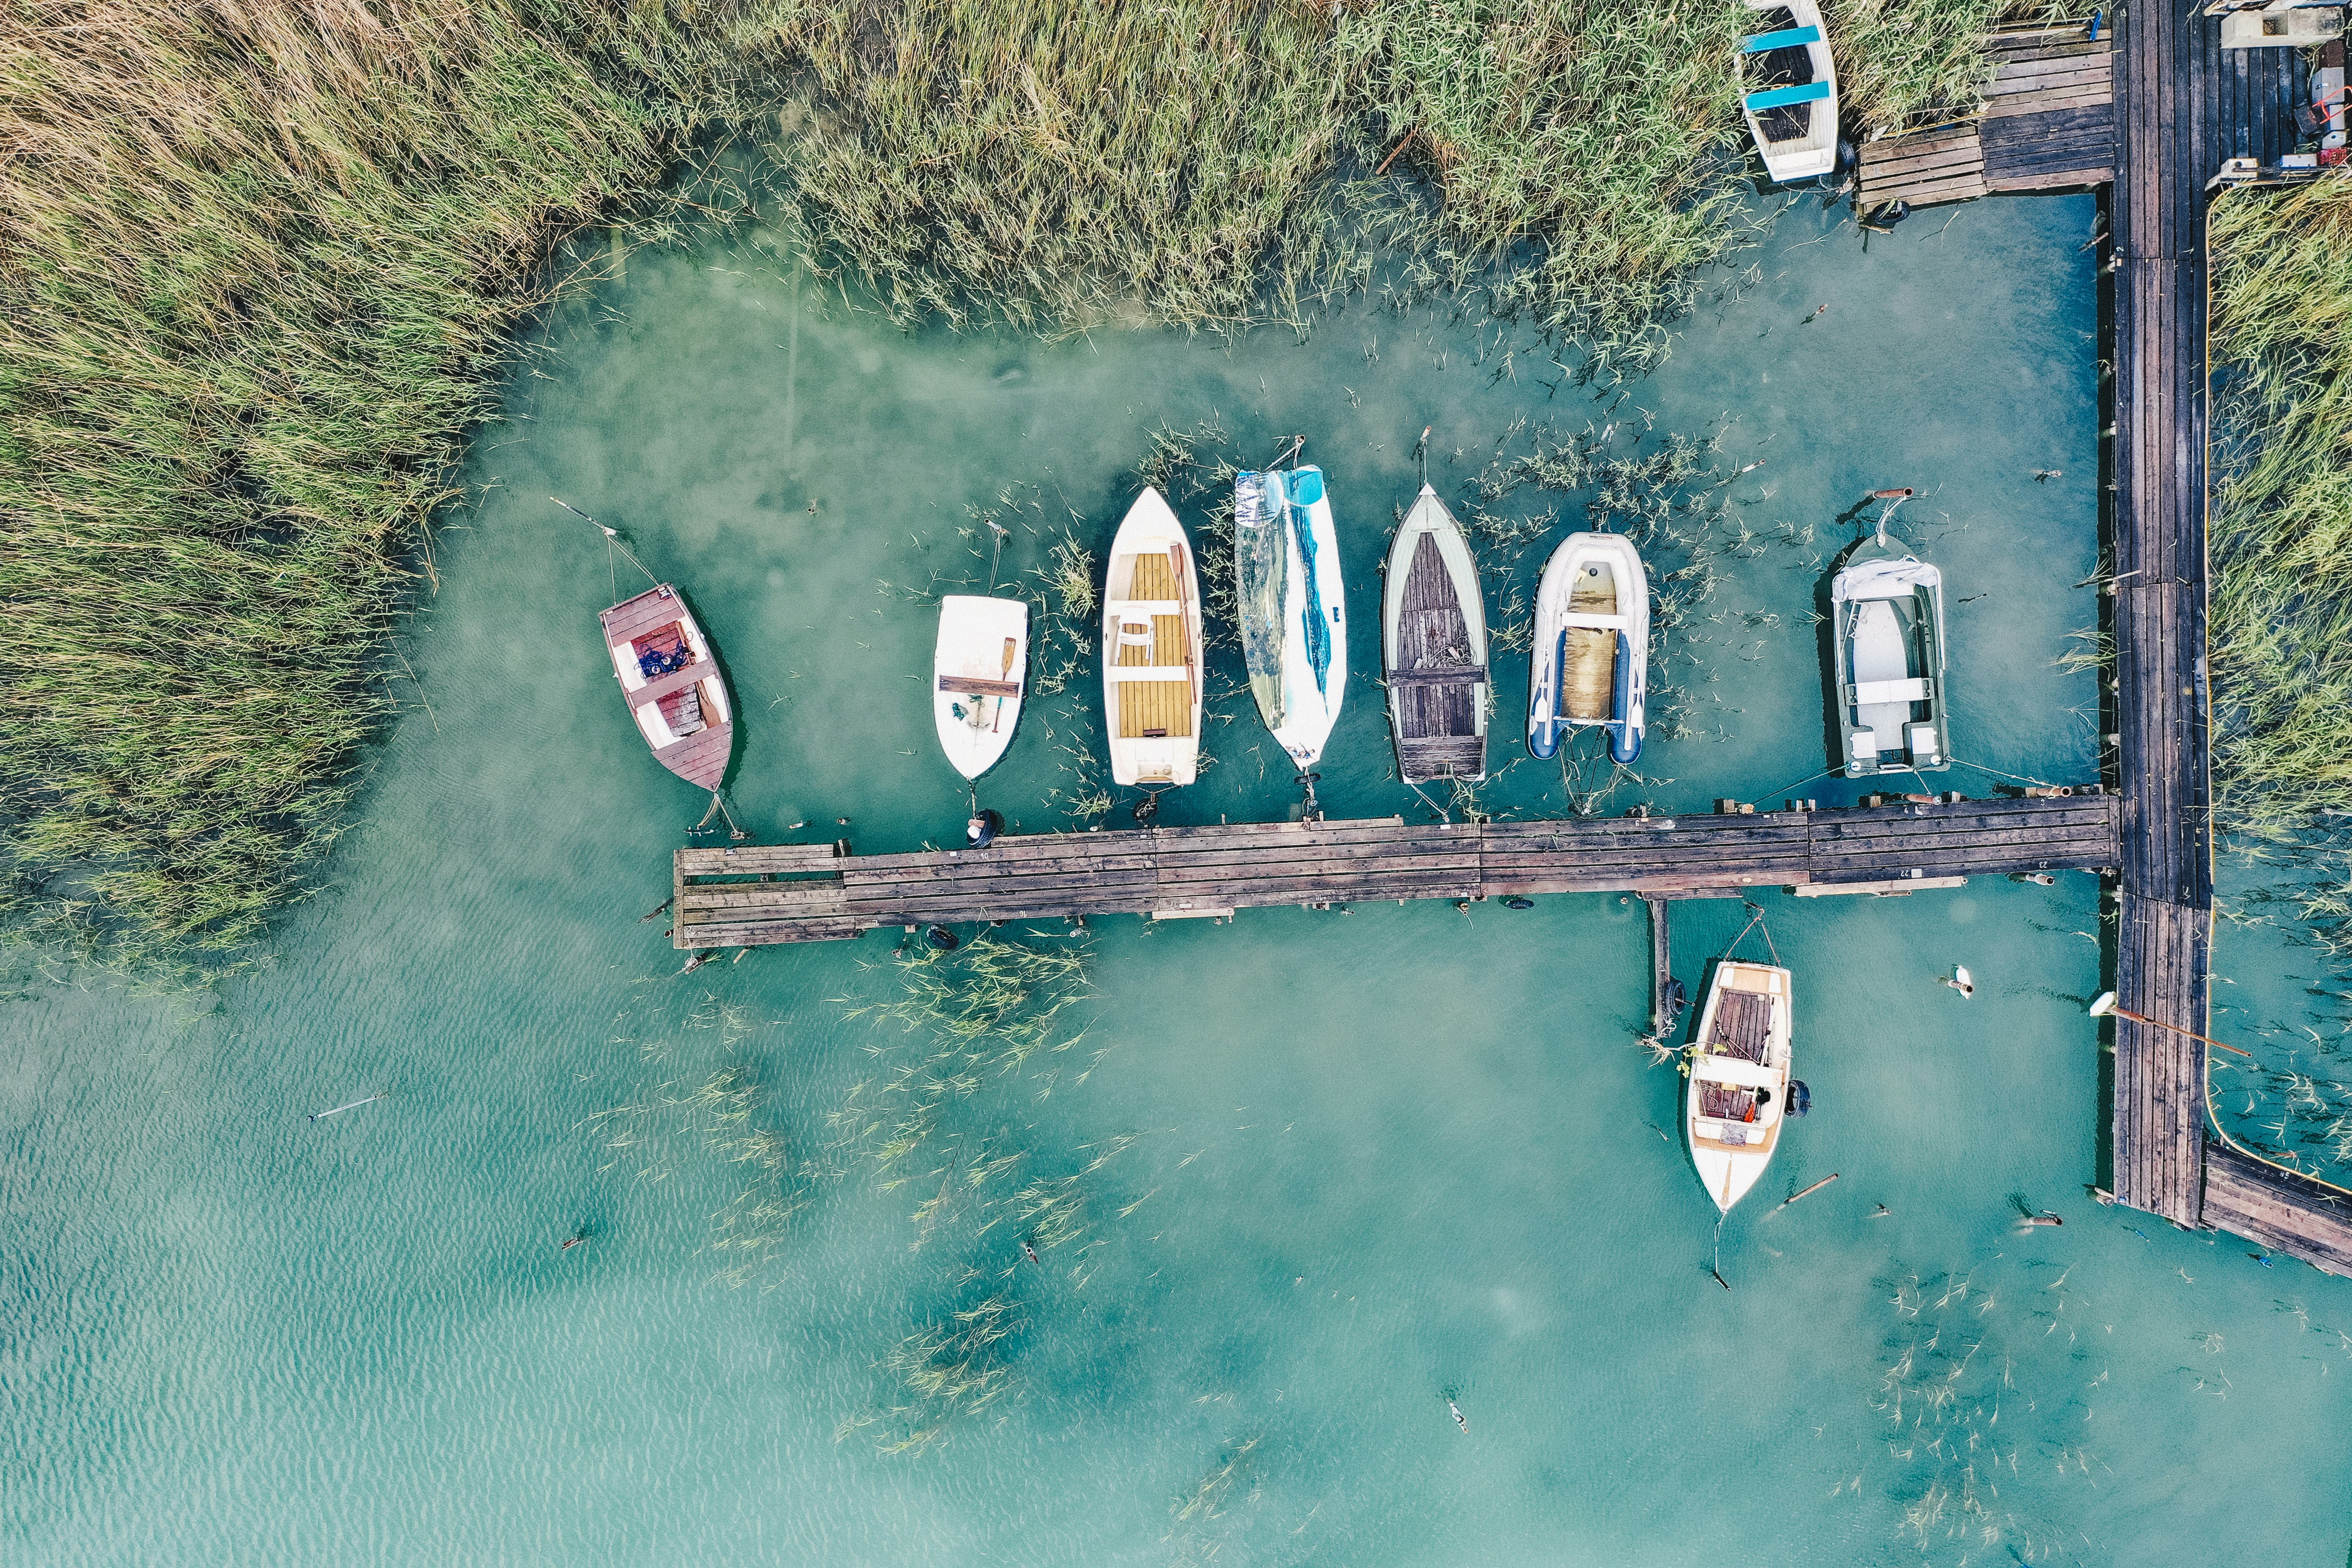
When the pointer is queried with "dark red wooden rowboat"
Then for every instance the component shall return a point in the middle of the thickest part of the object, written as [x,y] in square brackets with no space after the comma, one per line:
[672,684]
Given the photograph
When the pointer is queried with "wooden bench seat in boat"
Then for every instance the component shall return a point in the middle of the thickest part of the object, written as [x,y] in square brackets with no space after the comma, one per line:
[1446,675]
[1441,756]
[974,686]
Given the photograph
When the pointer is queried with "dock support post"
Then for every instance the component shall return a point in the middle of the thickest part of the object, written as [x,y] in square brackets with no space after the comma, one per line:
[1660,964]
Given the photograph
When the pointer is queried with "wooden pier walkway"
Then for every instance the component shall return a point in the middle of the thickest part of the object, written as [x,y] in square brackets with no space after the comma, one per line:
[2183,104]
[749,896]
[2048,123]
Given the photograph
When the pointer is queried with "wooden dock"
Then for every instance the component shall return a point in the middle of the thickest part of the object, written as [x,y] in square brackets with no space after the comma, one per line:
[2048,123]
[2183,105]
[750,895]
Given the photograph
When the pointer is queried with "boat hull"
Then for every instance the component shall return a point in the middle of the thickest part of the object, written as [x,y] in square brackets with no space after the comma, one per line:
[1810,152]
[1292,606]
[670,678]
[1433,649]
[1736,1102]
[1151,648]
[1591,665]
[979,672]
[1887,659]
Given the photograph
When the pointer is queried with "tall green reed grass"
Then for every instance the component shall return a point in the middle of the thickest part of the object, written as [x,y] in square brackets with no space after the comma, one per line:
[258,266]
[2280,629]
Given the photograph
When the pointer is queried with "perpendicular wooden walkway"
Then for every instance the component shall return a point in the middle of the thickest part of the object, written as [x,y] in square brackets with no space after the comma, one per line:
[2047,124]
[2182,105]
[751,895]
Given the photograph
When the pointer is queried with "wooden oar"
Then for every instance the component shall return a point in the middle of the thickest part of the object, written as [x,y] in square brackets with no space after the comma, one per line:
[1184,611]
[1004,674]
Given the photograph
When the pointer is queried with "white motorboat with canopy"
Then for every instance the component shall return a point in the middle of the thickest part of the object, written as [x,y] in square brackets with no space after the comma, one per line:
[1151,648]
[1887,648]
[1591,655]
[1791,100]
[978,673]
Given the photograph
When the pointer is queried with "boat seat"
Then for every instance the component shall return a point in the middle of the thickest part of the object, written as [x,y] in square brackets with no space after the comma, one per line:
[1781,96]
[1871,693]
[1786,38]
[1442,675]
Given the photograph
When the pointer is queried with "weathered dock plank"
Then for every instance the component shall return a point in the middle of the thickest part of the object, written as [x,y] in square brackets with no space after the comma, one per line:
[2285,1212]
[2047,122]
[730,897]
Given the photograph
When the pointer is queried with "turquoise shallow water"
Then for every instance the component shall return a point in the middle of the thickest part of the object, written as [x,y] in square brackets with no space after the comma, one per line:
[1373,1157]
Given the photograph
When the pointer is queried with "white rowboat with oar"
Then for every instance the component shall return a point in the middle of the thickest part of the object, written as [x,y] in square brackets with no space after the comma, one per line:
[978,674]
[1433,648]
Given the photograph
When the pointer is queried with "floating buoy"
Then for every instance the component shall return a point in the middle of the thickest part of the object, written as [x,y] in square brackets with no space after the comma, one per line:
[942,939]
[1516,903]
[1147,809]
[1801,1102]
[982,829]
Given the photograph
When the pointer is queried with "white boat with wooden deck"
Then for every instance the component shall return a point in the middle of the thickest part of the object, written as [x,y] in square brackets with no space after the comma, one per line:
[1151,648]
[1791,100]
[672,684]
[1738,1098]
[1292,606]
[1591,657]
[978,673]
[1433,648]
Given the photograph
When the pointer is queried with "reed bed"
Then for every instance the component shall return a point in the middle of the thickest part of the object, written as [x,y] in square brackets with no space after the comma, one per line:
[259,264]
[2281,613]
[1052,164]
[1583,158]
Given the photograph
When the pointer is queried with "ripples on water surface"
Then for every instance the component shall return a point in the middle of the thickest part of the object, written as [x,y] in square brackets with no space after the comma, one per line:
[1354,1162]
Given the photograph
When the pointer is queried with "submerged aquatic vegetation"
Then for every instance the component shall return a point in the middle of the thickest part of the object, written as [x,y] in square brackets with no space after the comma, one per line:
[976,1013]
[944,1371]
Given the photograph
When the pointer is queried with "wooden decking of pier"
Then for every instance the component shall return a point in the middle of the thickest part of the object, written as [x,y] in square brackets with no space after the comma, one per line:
[2048,123]
[750,895]
[2183,104]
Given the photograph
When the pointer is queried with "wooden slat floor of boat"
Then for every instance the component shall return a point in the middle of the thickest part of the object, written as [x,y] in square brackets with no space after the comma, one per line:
[701,758]
[1742,1026]
[633,618]
[1433,633]
[723,902]
[1165,705]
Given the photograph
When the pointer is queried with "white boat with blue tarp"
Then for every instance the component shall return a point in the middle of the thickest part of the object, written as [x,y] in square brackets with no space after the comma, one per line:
[1591,663]
[1790,91]
[1292,606]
